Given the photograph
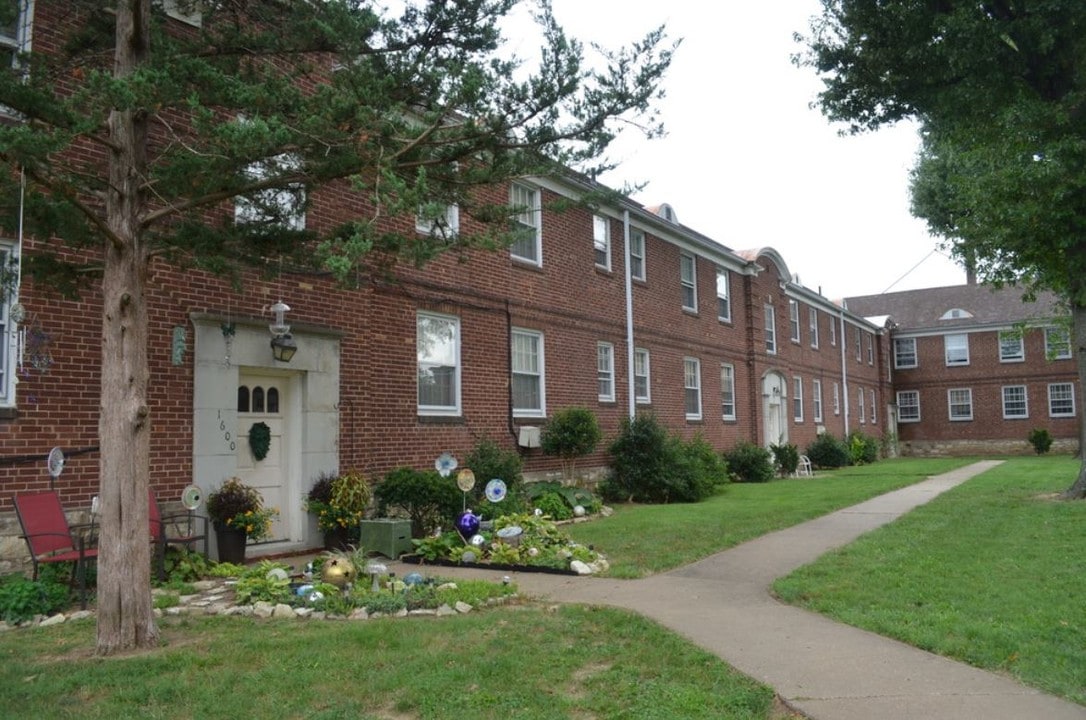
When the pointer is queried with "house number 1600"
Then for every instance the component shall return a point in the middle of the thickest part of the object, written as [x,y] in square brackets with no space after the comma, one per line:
[226,433]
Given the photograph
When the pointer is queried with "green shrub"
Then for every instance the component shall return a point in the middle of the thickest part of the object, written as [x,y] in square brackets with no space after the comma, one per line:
[639,460]
[573,496]
[697,472]
[571,433]
[828,452]
[786,457]
[748,462]
[862,450]
[488,460]
[21,598]
[1040,439]
[554,506]
[427,498]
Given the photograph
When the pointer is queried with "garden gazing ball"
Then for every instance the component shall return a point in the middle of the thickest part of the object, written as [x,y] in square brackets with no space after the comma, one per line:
[467,524]
[338,572]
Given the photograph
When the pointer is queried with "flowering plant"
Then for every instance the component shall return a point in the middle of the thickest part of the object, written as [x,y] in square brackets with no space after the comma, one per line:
[238,506]
[338,501]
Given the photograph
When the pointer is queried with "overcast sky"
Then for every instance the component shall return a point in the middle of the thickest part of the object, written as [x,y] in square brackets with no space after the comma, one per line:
[749,163]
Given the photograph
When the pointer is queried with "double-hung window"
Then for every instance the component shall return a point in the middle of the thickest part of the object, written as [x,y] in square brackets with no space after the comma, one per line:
[688,281]
[14,29]
[960,404]
[723,296]
[1011,347]
[692,388]
[529,398]
[1057,344]
[527,218]
[904,353]
[438,220]
[874,409]
[812,325]
[833,332]
[870,348]
[282,206]
[793,320]
[770,330]
[601,241]
[836,399]
[797,399]
[859,346]
[1015,406]
[437,344]
[1061,400]
[908,406]
[642,370]
[605,371]
[860,404]
[727,391]
[816,400]
[957,349]
[637,254]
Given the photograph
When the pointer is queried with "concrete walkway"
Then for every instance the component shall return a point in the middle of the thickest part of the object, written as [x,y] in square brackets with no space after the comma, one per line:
[824,669]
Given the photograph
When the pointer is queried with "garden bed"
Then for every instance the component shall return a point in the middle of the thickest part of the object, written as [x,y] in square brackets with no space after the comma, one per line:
[418,560]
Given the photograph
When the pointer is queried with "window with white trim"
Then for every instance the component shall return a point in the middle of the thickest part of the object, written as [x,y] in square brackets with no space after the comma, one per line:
[601,241]
[529,389]
[870,348]
[727,391]
[723,297]
[275,206]
[437,345]
[770,330]
[1057,344]
[1015,406]
[528,220]
[1061,400]
[833,332]
[9,344]
[793,320]
[605,371]
[692,388]
[957,349]
[860,405]
[688,281]
[438,220]
[187,11]
[816,400]
[637,254]
[905,353]
[874,408]
[642,376]
[859,346]
[836,399]
[797,399]
[960,404]
[908,406]
[812,325]
[15,32]
[1011,347]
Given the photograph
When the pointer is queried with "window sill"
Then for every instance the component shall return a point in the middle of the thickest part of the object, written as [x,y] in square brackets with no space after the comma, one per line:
[690,311]
[441,420]
[525,264]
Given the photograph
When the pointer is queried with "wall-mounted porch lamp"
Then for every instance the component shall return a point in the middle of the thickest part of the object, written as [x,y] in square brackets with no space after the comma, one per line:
[282,344]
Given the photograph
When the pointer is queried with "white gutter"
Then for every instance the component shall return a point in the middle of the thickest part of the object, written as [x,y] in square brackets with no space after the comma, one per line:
[844,369]
[632,401]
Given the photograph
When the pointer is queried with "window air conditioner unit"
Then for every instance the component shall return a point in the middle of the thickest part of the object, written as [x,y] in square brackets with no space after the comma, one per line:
[529,437]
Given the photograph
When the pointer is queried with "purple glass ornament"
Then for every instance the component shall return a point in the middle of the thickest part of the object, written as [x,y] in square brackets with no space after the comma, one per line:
[467,524]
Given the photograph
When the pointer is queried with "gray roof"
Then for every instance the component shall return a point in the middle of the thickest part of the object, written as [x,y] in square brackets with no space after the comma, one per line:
[988,306]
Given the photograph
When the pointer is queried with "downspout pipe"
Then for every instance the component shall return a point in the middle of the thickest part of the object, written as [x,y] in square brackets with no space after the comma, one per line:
[509,372]
[844,370]
[631,400]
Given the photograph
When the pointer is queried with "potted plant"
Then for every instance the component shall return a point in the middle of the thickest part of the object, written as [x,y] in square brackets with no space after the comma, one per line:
[340,503]
[238,515]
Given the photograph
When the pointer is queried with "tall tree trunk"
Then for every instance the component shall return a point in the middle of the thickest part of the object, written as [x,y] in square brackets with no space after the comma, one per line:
[125,618]
[1078,343]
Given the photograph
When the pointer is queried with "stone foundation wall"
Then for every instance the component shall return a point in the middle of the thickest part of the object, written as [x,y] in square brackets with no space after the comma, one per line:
[958,448]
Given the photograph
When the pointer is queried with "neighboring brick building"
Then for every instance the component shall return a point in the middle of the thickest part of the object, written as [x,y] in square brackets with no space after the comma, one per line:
[976,368]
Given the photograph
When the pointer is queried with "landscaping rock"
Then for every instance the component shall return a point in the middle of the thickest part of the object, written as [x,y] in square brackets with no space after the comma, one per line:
[580,568]
[445,611]
[262,609]
[462,607]
[53,620]
[282,610]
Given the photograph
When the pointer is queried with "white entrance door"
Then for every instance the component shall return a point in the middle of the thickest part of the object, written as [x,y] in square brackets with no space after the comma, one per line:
[265,399]
[774,391]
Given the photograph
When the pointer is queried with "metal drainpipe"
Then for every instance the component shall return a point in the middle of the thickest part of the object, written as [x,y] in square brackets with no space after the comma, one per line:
[632,401]
[844,370]
[509,372]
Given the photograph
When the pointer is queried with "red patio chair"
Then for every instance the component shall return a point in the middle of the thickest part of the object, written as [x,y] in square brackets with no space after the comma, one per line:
[174,529]
[49,537]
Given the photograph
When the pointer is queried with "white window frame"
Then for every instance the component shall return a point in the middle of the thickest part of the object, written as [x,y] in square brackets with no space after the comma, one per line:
[642,369]
[1011,403]
[960,397]
[9,331]
[527,200]
[770,329]
[874,408]
[833,331]
[793,320]
[862,405]
[605,371]
[812,325]
[1012,346]
[692,384]
[907,399]
[1063,393]
[19,42]
[1057,343]
[601,241]
[447,226]
[290,200]
[173,9]
[688,281]
[797,399]
[816,400]
[836,398]
[723,296]
[539,372]
[870,348]
[958,344]
[727,391]
[901,357]
[859,345]
[637,254]
[425,364]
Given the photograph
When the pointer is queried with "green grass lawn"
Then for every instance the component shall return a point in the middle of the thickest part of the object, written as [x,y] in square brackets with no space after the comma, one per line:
[523,662]
[992,573]
[641,540]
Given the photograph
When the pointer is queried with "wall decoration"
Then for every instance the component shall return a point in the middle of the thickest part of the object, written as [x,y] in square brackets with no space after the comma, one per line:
[259,440]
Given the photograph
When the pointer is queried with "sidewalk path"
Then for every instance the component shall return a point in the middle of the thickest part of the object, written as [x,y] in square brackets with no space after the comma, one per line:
[822,668]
